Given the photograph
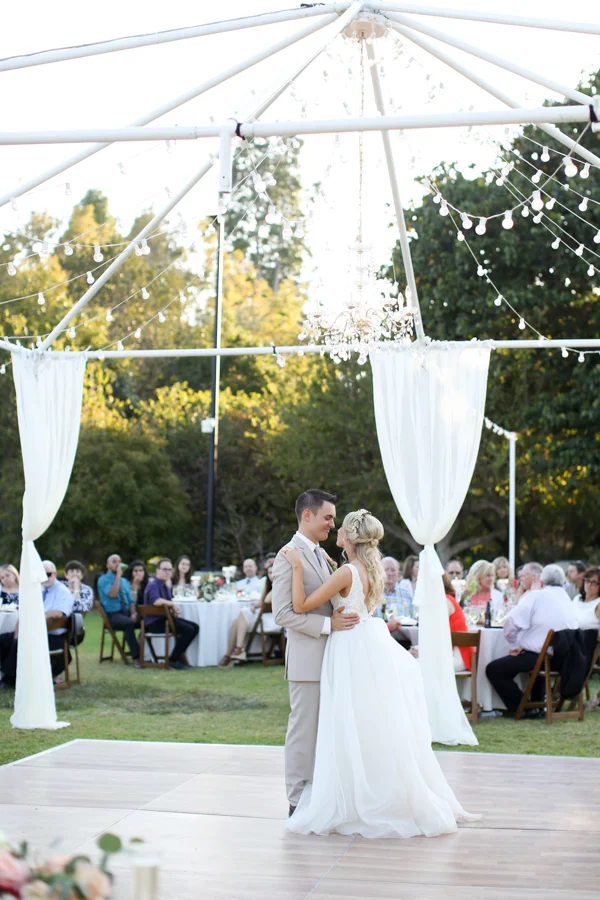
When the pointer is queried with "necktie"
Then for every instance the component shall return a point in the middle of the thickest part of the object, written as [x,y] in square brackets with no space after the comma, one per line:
[319,557]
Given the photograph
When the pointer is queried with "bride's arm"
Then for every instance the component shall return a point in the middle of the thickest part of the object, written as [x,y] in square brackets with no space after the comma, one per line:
[334,584]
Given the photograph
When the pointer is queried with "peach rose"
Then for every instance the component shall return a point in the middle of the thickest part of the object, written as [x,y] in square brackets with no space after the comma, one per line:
[56,865]
[13,874]
[94,883]
[35,890]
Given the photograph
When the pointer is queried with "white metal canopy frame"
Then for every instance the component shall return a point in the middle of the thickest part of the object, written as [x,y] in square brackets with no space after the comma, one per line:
[357,19]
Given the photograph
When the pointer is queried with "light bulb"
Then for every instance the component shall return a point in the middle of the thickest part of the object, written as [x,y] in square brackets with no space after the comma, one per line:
[161,317]
[591,271]
[2,369]
[460,236]
[545,155]
[584,204]
[466,221]
[68,250]
[109,315]
[100,355]
[137,333]
[72,333]
[480,271]
[536,177]
[537,203]
[90,278]
[443,208]
[498,300]
[579,251]
[280,361]
[567,282]
[138,250]
[550,203]
[564,353]
[119,345]
[525,212]
[145,293]
[437,198]
[555,244]
[596,238]
[271,216]
[522,325]
[538,218]
[11,269]
[480,228]
[507,221]
[500,181]
[286,232]
[585,172]
[210,230]
[68,189]
[259,186]
[222,208]
[570,168]
[145,248]
[41,298]
[98,254]
[181,297]
[581,358]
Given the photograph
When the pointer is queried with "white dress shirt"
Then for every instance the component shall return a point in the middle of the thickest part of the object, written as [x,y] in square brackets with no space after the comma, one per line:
[312,546]
[528,624]
[585,612]
[249,585]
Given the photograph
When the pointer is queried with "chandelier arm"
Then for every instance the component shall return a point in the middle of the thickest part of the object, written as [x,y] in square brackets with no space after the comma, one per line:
[168,107]
[444,57]
[398,208]
[131,42]
[556,86]
[478,15]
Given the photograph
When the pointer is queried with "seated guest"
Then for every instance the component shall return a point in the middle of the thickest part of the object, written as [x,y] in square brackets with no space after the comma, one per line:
[455,569]
[408,584]
[137,576]
[587,607]
[83,595]
[529,578]
[159,593]
[526,627]
[182,575]
[575,574]
[250,583]
[502,570]
[462,656]
[480,591]
[391,586]
[58,601]
[246,620]
[116,599]
[9,584]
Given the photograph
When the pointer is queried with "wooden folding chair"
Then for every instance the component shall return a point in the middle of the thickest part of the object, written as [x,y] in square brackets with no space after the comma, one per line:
[554,702]
[52,625]
[159,661]
[469,639]
[268,642]
[595,667]
[107,629]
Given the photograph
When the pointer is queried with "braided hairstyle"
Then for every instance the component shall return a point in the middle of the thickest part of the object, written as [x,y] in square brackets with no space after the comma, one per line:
[364,531]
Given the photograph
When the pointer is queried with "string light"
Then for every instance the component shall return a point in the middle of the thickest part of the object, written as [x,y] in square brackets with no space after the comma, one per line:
[507,221]
[522,325]
[12,269]
[137,333]
[565,353]
[72,333]
[68,250]
[98,257]
[161,317]
[480,228]
[145,294]
[581,358]
[3,369]
[41,298]
[570,168]
[109,316]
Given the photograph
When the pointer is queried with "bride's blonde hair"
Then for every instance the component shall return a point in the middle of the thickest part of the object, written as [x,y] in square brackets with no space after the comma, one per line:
[364,531]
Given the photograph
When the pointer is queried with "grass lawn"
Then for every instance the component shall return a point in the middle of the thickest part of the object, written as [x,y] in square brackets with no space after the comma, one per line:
[242,705]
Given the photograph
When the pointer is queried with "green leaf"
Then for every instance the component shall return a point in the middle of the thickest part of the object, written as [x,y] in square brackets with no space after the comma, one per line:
[110,843]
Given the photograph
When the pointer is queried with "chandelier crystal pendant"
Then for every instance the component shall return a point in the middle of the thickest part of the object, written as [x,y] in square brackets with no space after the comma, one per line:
[375,310]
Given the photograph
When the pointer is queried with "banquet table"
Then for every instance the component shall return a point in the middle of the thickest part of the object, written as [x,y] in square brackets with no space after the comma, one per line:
[215,620]
[493,645]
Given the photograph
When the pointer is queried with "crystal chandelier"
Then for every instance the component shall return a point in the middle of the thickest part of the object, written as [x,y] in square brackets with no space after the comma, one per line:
[375,310]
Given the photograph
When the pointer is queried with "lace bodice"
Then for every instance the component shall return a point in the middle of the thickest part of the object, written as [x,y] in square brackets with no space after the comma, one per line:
[355,601]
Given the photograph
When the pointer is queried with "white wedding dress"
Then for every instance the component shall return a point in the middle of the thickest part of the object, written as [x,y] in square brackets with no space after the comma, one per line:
[375,772]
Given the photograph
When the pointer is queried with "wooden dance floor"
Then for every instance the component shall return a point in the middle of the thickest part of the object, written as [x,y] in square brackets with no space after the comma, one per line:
[216,815]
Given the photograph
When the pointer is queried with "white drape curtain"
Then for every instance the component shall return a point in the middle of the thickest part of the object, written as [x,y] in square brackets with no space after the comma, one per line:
[49,395]
[429,405]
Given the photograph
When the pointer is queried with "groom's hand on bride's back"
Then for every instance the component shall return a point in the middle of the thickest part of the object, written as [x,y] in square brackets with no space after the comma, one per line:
[342,622]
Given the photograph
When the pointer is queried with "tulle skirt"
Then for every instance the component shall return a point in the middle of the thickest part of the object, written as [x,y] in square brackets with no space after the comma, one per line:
[375,772]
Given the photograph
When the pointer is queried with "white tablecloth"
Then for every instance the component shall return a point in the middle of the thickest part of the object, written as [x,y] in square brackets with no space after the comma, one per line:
[492,646]
[8,622]
[215,620]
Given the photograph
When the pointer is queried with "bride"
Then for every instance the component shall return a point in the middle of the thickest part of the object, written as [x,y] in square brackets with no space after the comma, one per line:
[375,772]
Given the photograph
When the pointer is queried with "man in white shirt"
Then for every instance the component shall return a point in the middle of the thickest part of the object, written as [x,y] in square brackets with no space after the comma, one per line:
[526,627]
[250,583]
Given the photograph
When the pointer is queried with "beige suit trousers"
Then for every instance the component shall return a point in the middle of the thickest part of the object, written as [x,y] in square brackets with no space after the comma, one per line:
[301,738]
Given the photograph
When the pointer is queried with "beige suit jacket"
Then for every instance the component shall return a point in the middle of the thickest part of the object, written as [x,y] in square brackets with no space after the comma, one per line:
[305,641]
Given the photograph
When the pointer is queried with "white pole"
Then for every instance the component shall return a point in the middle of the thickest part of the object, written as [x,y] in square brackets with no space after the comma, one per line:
[399,210]
[164,37]
[556,86]
[478,15]
[123,256]
[160,111]
[576,344]
[512,498]
[440,54]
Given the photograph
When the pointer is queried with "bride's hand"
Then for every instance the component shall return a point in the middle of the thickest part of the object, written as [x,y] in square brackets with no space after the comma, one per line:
[293,556]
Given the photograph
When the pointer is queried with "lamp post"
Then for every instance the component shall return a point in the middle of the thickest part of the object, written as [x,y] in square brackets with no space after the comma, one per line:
[211,425]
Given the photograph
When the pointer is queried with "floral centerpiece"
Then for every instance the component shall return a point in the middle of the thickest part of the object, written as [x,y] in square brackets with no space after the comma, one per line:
[60,877]
[210,585]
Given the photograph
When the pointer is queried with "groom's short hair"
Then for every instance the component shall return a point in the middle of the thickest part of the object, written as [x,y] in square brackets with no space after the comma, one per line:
[312,499]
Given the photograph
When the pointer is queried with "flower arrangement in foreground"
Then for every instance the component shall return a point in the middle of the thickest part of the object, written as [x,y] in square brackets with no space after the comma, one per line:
[60,877]
[210,584]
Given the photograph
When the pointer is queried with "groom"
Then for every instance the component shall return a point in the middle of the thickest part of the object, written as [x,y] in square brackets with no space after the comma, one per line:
[307,635]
